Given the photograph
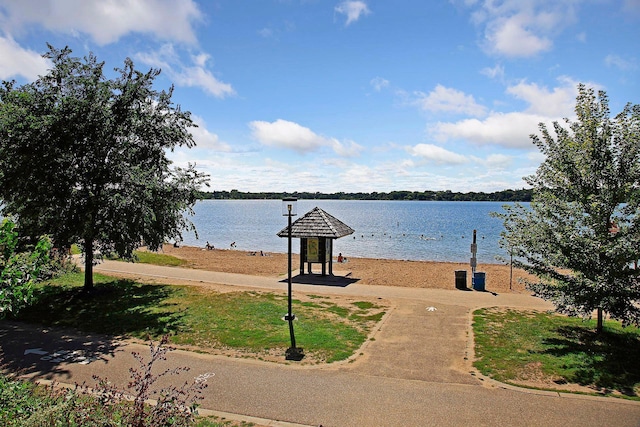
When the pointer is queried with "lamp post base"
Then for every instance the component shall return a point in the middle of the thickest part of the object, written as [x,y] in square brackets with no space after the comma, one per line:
[294,353]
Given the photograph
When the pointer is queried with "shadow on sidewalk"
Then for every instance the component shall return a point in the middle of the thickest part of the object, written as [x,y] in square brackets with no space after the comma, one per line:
[33,350]
[318,279]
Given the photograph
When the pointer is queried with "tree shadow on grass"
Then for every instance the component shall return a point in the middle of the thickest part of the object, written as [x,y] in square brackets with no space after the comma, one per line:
[609,361]
[119,307]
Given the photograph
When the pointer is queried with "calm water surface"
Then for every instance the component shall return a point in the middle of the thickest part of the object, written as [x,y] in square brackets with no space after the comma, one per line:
[438,231]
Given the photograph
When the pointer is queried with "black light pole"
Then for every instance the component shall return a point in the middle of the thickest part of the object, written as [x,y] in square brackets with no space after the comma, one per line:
[293,352]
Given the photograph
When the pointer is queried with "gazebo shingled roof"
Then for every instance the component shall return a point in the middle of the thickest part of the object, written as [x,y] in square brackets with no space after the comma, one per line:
[317,223]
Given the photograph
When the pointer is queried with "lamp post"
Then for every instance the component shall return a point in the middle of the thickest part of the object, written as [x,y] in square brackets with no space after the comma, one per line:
[289,210]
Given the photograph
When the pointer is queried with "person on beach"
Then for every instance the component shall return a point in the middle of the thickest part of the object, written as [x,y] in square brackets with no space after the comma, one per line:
[340,259]
[209,246]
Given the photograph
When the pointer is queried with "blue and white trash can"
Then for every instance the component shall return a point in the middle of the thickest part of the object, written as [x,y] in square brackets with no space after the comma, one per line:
[478,281]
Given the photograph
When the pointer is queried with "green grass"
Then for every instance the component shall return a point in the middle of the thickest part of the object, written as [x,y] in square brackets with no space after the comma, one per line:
[250,322]
[518,345]
[154,258]
[145,257]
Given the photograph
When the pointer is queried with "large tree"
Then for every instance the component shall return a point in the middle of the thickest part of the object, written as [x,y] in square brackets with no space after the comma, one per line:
[83,158]
[580,236]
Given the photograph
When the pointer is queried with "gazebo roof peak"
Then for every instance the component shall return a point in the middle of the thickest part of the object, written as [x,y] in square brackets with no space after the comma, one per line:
[317,223]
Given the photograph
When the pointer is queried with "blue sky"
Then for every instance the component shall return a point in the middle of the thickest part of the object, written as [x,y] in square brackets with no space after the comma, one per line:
[368,95]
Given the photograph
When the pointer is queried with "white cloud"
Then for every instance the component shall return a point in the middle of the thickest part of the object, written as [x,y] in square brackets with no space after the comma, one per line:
[443,99]
[206,139]
[512,37]
[194,75]
[107,21]
[292,136]
[198,76]
[16,61]
[266,32]
[558,102]
[512,129]
[535,157]
[347,148]
[516,28]
[436,154]
[493,73]
[498,161]
[619,62]
[286,134]
[507,129]
[359,176]
[379,83]
[353,10]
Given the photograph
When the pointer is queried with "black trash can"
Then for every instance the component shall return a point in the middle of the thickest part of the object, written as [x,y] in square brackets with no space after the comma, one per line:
[461,279]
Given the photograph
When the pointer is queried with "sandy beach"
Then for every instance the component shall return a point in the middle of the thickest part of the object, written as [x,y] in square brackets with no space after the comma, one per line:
[368,271]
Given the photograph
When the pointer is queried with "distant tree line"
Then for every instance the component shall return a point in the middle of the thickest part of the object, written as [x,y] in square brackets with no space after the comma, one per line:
[523,195]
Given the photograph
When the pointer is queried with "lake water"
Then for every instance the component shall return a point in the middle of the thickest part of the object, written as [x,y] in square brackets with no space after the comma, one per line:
[410,230]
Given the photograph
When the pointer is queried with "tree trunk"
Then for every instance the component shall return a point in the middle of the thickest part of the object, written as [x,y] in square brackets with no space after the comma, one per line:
[599,326]
[88,265]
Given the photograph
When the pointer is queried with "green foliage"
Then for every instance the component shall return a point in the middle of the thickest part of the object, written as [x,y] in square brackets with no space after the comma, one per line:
[19,270]
[18,399]
[513,346]
[83,158]
[581,234]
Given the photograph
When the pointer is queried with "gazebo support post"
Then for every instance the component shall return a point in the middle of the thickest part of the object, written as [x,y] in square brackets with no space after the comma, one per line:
[330,242]
[303,253]
[323,255]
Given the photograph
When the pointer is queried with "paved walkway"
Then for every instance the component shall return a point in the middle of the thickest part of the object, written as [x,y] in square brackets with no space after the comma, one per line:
[416,372]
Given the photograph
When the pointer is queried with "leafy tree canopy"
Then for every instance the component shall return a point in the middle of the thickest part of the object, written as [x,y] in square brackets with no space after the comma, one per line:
[581,233]
[83,158]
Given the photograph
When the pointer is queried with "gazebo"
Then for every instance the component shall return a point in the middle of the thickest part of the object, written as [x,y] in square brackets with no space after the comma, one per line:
[316,230]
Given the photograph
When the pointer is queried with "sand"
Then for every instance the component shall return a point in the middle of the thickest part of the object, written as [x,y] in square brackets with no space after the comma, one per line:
[368,271]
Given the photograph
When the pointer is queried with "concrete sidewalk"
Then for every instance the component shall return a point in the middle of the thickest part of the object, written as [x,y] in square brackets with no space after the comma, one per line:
[470,299]
[416,372]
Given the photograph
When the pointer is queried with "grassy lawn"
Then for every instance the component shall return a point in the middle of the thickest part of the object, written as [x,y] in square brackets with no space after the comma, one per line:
[154,258]
[248,323]
[514,346]
[158,259]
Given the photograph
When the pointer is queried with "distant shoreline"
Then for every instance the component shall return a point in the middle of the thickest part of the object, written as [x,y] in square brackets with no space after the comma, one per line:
[522,195]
